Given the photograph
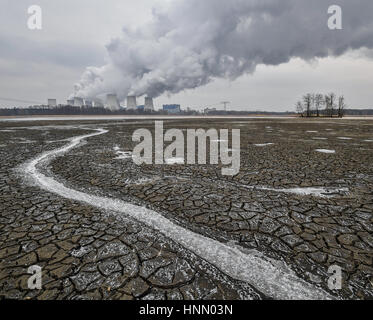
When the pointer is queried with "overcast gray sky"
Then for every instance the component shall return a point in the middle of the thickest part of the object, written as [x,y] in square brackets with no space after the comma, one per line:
[40,64]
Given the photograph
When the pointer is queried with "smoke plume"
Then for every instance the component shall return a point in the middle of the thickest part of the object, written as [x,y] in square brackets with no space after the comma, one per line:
[188,43]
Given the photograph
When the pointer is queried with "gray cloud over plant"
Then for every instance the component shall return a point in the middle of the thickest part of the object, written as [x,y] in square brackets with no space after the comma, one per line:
[189,43]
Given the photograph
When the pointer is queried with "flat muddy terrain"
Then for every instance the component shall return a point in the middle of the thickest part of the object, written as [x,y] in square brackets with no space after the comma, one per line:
[101,227]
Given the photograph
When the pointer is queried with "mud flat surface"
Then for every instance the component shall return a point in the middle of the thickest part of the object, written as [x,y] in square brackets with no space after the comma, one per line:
[303,200]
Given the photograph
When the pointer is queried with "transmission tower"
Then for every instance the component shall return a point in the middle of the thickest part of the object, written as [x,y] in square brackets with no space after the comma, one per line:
[225,103]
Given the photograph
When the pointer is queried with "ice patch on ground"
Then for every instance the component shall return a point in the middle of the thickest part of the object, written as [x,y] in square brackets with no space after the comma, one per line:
[319,138]
[122,155]
[271,277]
[312,131]
[344,138]
[172,161]
[263,145]
[325,151]
[312,191]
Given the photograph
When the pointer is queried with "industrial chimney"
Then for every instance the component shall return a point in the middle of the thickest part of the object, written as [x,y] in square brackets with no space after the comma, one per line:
[98,103]
[52,103]
[112,102]
[149,106]
[131,103]
[88,103]
[78,102]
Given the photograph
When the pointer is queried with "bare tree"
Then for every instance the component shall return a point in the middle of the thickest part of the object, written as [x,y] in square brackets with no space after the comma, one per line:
[319,102]
[307,100]
[300,108]
[341,106]
[330,104]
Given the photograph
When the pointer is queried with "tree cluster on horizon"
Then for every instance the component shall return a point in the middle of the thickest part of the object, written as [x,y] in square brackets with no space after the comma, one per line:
[317,105]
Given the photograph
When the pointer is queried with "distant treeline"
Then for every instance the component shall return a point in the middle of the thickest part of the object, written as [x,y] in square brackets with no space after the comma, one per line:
[320,105]
[69,110]
[359,112]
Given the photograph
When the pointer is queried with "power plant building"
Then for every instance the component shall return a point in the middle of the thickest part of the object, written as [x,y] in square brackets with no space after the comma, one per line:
[172,108]
[78,102]
[52,103]
[149,106]
[70,102]
[98,103]
[112,102]
[88,103]
[131,103]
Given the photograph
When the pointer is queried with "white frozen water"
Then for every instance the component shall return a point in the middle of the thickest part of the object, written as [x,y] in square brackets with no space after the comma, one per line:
[271,277]
[123,155]
[318,192]
[344,138]
[319,138]
[263,145]
[312,131]
[325,151]
[172,161]
[368,140]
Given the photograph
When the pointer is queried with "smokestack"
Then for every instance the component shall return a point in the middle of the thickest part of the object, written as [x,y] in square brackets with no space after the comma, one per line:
[131,103]
[78,102]
[112,102]
[52,103]
[98,103]
[149,106]
[88,103]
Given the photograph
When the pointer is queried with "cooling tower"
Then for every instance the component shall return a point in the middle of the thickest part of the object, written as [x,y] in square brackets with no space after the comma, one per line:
[112,102]
[98,103]
[52,103]
[149,106]
[88,103]
[131,103]
[70,102]
[78,102]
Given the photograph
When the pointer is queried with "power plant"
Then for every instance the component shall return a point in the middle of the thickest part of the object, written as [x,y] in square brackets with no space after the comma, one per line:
[52,103]
[131,103]
[112,102]
[98,103]
[78,102]
[88,103]
[149,106]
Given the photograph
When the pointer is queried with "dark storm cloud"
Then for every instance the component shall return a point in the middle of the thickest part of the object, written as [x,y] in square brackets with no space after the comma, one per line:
[192,42]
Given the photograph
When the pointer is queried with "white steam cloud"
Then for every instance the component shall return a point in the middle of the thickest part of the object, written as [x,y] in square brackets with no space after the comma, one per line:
[188,43]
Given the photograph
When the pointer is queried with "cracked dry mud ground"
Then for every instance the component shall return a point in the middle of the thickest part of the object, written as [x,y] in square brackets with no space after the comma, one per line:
[86,253]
